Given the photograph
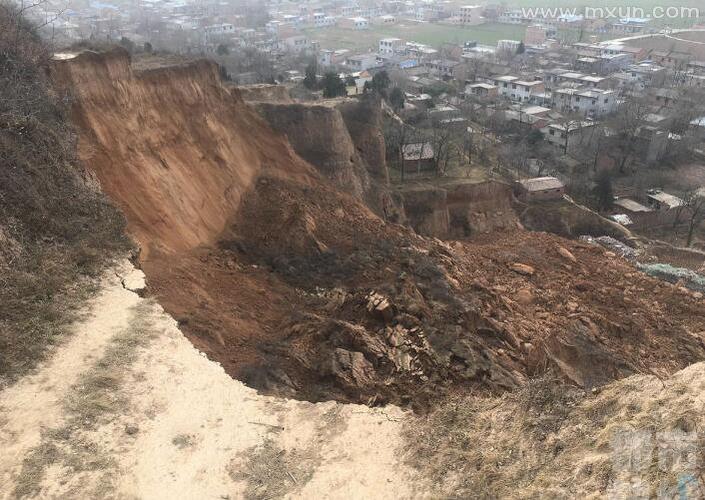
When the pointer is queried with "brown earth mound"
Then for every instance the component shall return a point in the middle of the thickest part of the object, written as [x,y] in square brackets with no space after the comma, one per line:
[300,289]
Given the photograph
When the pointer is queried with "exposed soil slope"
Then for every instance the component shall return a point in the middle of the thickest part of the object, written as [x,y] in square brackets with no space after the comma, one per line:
[343,140]
[299,289]
[172,145]
[319,135]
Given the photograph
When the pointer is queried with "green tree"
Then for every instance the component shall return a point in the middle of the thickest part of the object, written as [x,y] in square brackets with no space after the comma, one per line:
[222,50]
[310,78]
[332,85]
[521,48]
[380,83]
[396,98]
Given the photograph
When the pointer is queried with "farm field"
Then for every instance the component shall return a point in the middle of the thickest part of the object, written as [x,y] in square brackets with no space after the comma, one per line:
[430,34]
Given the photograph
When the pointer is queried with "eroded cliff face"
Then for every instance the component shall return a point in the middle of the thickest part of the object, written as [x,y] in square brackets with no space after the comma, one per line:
[363,118]
[460,209]
[173,146]
[344,141]
[319,135]
[297,288]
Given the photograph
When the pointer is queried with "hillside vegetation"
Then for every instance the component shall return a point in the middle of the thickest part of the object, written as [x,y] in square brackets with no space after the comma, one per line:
[56,228]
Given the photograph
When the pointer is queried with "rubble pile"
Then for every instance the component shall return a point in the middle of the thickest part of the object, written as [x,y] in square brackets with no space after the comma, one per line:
[298,288]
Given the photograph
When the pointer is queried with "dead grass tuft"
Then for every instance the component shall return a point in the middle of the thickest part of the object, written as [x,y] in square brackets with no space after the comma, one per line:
[272,472]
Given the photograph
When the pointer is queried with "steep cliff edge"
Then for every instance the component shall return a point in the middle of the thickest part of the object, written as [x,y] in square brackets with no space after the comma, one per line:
[343,140]
[298,288]
[174,147]
[319,135]
[458,209]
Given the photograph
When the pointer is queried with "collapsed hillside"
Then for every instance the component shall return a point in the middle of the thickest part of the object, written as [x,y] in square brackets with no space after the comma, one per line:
[343,140]
[300,289]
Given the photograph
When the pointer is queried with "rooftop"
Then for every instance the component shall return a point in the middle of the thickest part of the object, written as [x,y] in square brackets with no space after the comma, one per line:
[665,198]
[631,205]
[541,183]
[418,151]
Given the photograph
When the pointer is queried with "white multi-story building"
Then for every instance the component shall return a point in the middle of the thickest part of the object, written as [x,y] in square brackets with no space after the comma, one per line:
[471,15]
[508,45]
[569,135]
[355,23]
[386,20]
[391,46]
[321,20]
[361,62]
[590,103]
[514,16]
[518,90]
[332,57]
[297,43]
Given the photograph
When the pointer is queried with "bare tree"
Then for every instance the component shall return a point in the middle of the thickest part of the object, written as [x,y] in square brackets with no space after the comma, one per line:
[626,125]
[694,204]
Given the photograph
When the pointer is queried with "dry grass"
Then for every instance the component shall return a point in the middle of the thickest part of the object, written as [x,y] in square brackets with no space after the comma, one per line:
[57,230]
[491,447]
[96,399]
[552,440]
[272,472]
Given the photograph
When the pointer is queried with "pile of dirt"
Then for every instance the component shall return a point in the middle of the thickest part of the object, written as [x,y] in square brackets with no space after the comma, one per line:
[301,290]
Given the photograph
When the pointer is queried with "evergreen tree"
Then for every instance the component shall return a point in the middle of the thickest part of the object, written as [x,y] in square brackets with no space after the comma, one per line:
[380,83]
[603,189]
[332,85]
[396,98]
[310,79]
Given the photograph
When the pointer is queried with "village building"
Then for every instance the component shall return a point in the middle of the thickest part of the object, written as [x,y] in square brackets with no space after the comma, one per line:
[471,15]
[660,200]
[354,23]
[482,90]
[391,46]
[418,156]
[540,189]
[361,62]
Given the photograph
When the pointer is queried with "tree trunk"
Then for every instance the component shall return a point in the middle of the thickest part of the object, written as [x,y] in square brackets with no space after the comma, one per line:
[691,230]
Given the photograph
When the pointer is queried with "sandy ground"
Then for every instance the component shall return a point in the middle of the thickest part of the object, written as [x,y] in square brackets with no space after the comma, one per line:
[128,408]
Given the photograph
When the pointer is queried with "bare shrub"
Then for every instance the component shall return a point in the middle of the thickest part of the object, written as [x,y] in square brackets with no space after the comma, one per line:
[61,229]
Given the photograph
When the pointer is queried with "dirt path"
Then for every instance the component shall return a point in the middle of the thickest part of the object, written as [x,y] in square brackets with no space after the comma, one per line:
[128,408]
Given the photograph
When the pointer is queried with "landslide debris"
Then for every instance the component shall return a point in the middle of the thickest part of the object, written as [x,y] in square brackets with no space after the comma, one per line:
[301,290]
